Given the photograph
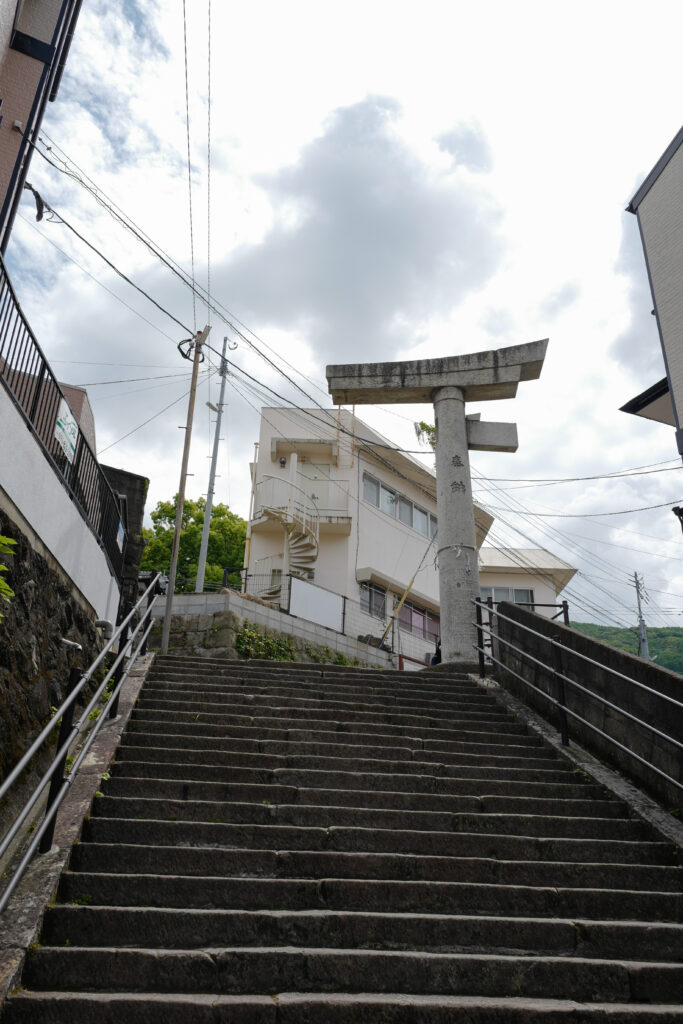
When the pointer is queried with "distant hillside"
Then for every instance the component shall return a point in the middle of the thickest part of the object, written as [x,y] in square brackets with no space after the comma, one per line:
[666,643]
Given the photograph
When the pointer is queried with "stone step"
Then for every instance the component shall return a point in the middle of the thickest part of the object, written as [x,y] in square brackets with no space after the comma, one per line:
[469,768]
[242,705]
[155,788]
[326,816]
[144,927]
[470,780]
[182,860]
[542,757]
[419,897]
[370,840]
[342,721]
[235,970]
[455,695]
[329,700]
[481,738]
[330,1008]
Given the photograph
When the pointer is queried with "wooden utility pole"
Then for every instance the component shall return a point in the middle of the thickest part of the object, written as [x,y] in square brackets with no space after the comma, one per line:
[199,341]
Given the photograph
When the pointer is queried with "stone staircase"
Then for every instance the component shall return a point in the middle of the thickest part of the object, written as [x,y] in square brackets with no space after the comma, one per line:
[308,844]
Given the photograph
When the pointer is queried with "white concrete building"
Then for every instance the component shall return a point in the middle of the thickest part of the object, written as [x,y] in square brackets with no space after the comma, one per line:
[337,506]
[658,205]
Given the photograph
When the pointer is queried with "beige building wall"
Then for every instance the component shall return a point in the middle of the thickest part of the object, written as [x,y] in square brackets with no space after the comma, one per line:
[359,542]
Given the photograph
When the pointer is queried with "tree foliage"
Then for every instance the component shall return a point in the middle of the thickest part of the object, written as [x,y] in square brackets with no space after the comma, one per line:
[426,432]
[6,592]
[665,642]
[227,534]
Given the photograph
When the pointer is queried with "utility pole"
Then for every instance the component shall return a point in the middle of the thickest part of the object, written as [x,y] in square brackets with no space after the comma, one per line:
[643,647]
[204,546]
[198,342]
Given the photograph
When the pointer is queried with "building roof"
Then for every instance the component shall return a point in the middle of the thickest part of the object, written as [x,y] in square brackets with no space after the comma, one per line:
[664,159]
[522,560]
[653,404]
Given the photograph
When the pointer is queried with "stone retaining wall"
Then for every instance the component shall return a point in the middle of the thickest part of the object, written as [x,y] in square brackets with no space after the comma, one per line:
[606,680]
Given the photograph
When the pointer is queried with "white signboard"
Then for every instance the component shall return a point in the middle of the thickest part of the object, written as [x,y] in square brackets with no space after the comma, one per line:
[315,604]
[66,430]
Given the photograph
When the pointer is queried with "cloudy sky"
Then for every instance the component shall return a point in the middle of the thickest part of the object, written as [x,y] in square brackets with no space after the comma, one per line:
[384,181]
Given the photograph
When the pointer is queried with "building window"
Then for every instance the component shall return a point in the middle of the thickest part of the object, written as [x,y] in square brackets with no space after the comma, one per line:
[398,507]
[387,499]
[517,595]
[373,600]
[371,490]
[419,622]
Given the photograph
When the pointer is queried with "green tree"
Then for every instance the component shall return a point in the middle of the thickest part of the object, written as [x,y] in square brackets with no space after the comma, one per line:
[6,592]
[426,432]
[227,535]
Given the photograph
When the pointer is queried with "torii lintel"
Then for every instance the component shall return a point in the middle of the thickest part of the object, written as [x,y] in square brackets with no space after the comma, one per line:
[481,376]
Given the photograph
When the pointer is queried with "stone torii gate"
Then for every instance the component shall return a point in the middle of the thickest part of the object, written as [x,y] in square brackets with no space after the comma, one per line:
[449,383]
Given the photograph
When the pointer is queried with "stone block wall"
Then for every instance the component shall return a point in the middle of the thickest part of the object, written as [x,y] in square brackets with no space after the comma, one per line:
[631,685]
[206,624]
[34,664]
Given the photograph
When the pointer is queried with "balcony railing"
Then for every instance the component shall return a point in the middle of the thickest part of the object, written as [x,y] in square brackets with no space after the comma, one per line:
[25,372]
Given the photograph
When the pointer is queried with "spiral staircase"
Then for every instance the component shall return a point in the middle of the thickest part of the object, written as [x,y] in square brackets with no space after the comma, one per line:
[300,522]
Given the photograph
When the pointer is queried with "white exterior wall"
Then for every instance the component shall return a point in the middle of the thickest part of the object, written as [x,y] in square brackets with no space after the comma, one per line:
[32,485]
[379,548]
[544,592]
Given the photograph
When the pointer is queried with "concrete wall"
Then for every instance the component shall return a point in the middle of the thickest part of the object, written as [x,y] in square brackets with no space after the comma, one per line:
[206,624]
[30,483]
[601,681]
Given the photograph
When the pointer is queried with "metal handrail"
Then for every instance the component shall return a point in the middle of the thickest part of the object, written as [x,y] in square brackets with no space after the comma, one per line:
[561,677]
[68,732]
[36,393]
[584,657]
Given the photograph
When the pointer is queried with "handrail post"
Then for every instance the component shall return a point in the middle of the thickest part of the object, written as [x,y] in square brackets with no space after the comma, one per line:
[118,672]
[480,640]
[57,777]
[557,671]
[565,612]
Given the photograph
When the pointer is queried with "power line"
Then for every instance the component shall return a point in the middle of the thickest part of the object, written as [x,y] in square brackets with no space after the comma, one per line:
[95,279]
[592,515]
[145,422]
[189,167]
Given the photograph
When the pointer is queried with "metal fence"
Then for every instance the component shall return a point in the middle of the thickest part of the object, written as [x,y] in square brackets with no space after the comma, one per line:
[502,652]
[129,640]
[25,372]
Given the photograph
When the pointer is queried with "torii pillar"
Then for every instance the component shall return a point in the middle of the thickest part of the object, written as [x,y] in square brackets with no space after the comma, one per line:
[449,383]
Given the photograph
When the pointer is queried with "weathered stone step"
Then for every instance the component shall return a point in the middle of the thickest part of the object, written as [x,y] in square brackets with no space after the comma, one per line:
[155,788]
[276,713]
[339,689]
[238,970]
[543,757]
[185,929]
[350,839]
[403,684]
[183,860]
[419,897]
[406,725]
[473,781]
[479,737]
[252,702]
[212,759]
[326,816]
[330,1008]
[295,703]
[303,672]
